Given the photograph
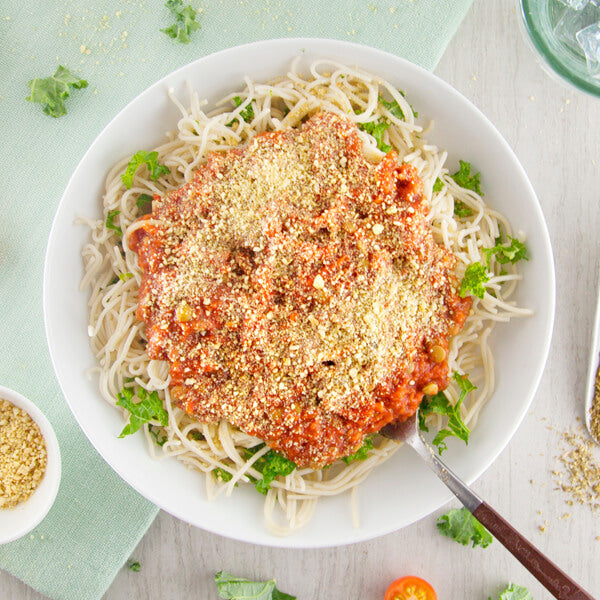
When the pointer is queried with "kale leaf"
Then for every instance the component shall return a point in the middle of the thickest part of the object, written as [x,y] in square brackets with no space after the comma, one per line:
[185,21]
[150,159]
[144,204]
[110,221]
[515,592]
[269,465]
[222,474]
[505,253]
[376,130]
[246,113]
[460,525]
[52,91]
[461,210]
[473,280]
[150,407]
[395,109]
[238,588]
[439,404]
[362,452]
[464,178]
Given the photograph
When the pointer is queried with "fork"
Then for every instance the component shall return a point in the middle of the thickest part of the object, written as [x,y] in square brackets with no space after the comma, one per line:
[558,583]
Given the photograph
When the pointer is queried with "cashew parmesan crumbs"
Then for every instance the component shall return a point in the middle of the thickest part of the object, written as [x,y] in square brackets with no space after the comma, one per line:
[595,409]
[580,477]
[22,455]
[297,292]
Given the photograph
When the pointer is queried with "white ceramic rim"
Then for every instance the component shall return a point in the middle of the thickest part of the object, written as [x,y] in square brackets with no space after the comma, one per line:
[464,126]
[20,520]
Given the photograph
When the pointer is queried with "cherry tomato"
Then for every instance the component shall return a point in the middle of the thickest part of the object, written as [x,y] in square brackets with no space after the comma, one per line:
[410,588]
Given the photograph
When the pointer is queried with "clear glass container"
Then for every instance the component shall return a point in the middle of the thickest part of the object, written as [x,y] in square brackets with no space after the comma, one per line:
[551,27]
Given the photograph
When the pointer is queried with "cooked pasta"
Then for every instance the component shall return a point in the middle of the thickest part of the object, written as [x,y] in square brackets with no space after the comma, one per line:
[113,276]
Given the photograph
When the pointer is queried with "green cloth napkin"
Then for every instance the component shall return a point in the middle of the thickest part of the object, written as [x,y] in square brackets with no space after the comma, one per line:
[97,519]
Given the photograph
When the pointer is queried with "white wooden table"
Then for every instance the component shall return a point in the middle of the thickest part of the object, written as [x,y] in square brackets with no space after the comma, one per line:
[555,132]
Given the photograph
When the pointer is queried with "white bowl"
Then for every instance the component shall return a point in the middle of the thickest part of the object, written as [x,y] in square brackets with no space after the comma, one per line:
[400,491]
[16,522]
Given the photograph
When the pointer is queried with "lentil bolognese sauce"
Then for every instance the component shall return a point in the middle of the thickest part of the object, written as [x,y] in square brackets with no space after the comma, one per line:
[284,276]
[296,290]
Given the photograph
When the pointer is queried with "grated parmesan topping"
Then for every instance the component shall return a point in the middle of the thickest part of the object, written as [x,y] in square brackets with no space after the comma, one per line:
[22,455]
[296,290]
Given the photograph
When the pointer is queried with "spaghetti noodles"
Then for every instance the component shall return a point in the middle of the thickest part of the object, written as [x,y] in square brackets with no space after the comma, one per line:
[112,272]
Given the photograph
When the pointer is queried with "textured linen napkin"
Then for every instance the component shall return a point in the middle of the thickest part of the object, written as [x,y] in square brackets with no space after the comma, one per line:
[97,519]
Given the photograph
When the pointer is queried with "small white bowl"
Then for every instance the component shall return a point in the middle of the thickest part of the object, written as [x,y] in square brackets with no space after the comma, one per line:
[16,522]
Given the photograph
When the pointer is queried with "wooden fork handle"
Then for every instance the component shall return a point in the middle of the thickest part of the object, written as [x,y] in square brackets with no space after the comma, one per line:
[547,573]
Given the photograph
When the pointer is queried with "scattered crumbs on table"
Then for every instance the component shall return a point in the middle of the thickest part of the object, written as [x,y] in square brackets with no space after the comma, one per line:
[580,474]
[532,98]
[566,516]
[544,527]
[96,33]
[598,538]
[474,77]
[531,481]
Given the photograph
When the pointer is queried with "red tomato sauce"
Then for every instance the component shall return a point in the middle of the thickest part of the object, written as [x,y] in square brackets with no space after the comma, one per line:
[296,290]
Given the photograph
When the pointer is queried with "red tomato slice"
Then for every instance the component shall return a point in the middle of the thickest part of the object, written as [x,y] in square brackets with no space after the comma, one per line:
[410,588]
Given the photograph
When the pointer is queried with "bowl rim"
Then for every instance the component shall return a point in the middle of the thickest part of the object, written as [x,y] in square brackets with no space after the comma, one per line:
[30,514]
[544,50]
